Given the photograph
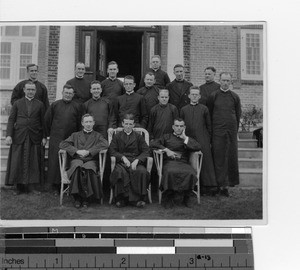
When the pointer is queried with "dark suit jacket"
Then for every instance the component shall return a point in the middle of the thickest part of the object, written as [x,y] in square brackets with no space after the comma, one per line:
[21,124]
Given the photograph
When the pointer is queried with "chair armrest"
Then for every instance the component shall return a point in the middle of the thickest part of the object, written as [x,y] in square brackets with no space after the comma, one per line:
[196,161]
[102,160]
[62,158]
[158,159]
[113,163]
[149,164]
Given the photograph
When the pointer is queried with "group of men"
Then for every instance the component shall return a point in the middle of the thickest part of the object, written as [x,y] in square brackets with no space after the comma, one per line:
[88,113]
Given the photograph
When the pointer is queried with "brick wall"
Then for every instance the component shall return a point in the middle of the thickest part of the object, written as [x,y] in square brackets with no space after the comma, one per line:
[164,47]
[53,51]
[251,94]
[43,54]
[187,51]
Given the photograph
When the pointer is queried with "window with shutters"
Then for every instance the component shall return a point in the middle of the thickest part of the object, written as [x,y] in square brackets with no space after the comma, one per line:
[18,48]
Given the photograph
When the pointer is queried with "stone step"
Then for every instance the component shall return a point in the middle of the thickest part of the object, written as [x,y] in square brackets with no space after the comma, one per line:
[247,143]
[250,153]
[250,163]
[251,177]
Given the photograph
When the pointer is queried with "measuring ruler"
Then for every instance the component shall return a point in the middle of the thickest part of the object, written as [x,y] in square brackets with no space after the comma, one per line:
[126,248]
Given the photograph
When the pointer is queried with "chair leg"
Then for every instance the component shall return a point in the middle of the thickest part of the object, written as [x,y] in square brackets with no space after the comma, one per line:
[149,194]
[111,196]
[61,193]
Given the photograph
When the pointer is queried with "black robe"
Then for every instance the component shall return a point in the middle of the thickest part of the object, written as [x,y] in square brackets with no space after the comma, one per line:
[177,174]
[161,78]
[206,89]
[161,119]
[179,91]
[150,95]
[103,113]
[61,119]
[130,183]
[41,92]
[25,163]
[83,171]
[81,88]
[111,89]
[198,126]
[225,110]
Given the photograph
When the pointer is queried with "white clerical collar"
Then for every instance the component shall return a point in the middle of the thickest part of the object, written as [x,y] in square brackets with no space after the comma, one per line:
[178,136]
[79,77]
[155,69]
[30,79]
[96,98]
[87,131]
[112,79]
[128,133]
[194,104]
[130,93]
[224,90]
[29,98]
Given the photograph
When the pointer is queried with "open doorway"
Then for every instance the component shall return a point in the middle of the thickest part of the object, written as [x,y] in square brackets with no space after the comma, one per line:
[124,47]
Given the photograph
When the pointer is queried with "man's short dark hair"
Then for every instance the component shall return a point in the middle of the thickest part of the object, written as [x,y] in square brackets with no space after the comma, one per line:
[211,68]
[68,86]
[87,115]
[194,87]
[28,83]
[129,77]
[179,119]
[95,82]
[112,63]
[226,73]
[31,65]
[128,116]
[150,73]
[79,63]
[178,65]
[160,90]
[156,56]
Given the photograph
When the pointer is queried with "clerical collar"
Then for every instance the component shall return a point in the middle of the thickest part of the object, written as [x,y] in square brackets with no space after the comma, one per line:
[194,104]
[209,82]
[29,98]
[30,79]
[66,101]
[128,133]
[96,98]
[112,79]
[178,136]
[224,90]
[155,69]
[179,80]
[163,105]
[79,77]
[130,93]
[87,131]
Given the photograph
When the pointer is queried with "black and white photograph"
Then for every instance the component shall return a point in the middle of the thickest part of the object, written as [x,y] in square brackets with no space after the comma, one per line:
[136,121]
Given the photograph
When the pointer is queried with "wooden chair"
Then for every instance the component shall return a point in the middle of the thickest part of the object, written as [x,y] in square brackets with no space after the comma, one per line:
[63,165]
[195,161]
[145,133]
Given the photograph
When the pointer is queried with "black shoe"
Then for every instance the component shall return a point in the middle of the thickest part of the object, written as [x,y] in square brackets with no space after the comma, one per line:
[140,204]
[224,192]
[85,204]
[77,204]
[17,192]
[187,201]
[120,204]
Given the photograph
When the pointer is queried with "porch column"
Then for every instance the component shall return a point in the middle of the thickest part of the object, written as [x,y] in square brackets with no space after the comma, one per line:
[66,58]
[175,48]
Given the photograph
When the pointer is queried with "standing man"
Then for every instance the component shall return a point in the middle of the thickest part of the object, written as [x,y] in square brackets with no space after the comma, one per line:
[41,90]
[149,91]
[225,110]
[178,175]
[162,116]
[80,85]
[101,109]
[131,103]
[130,178]
[84,146]
[26,137]
[198,126]
[61,120]
[179,88]
[209,86]
[112,87]
[161,77]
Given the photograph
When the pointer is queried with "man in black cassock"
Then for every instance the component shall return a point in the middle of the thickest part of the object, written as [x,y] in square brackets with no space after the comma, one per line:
[101,109]
[177,174]
[179,88]
[129,178]
[149,91]
[209,86]
[61,120]
[162,116]
[198,126]
[41,90]
[112,87]
[225,110]
[161,77]
[131,103]
[84,147]
[26,136]
[80,84]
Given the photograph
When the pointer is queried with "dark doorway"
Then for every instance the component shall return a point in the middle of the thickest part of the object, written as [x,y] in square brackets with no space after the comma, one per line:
[124,47]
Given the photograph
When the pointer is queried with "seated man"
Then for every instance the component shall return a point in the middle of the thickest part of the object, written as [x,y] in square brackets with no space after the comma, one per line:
[84,147]
[129,178]
[178,174]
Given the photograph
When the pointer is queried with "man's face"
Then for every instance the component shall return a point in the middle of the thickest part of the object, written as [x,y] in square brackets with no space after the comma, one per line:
[128,125]
[209,75]
[163,97]
[179,73]
[149,80]
[68,94]
[88,123]
[29,90]
[112,71]
[155,63]
[96,90]
[32,72]
[194,95]
[129,85]
[178,127]
[225,81]
[80,70]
